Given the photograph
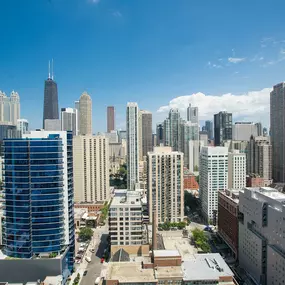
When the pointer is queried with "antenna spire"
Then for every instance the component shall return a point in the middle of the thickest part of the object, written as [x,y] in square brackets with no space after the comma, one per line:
[52,69]
[49,69]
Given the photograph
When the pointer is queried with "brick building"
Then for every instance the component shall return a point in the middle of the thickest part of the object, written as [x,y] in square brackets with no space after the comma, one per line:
[228,203]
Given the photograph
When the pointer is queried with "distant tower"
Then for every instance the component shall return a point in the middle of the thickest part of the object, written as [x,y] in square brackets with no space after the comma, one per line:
[14,107]
[50,98]
[85,114]
[110,119]
[192,114]
[69,120]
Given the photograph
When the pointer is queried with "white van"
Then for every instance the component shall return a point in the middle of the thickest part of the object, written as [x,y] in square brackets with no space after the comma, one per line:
[97,281]
[88,259]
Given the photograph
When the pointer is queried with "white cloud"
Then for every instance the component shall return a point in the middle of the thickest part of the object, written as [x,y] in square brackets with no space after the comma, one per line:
[251,106]
[236,59]
[213,65]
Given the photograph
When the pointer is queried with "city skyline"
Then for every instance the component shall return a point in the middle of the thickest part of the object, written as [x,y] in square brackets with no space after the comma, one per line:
[225,66]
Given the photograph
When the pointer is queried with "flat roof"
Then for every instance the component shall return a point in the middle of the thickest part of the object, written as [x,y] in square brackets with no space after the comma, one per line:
[209,266]
[166,253]
[129,272]
[167,272]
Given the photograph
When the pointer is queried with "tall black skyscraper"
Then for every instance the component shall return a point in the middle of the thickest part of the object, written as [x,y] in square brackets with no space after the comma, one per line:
[223,123]
[50,98]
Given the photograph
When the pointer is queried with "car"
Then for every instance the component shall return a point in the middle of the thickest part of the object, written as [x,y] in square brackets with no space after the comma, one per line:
[92,250]
[85,273]
[88,259]
[102,260]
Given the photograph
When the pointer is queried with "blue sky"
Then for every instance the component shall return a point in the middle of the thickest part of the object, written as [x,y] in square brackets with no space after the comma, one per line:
[149,51]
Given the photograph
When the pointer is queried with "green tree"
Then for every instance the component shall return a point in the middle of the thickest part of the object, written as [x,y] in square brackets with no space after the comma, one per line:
[201,240]
[196,168]
[85,234]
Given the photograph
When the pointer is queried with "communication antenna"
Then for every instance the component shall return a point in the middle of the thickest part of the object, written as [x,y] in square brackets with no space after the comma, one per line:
[49,69]
[52,69]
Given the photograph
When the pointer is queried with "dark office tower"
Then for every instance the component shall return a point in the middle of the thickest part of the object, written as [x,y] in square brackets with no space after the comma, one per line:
[159,134]
[277,131]
[50,99]
[223,122]
[110,119]
[209,129]
[259,129]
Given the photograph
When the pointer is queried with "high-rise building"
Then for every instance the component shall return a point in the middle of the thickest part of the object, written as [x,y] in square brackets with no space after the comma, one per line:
[165,184]
[38,185]
[192,114]
[125,220]
[172,130]
[213,177]
[209,129]
[222,127]
[259,129]
[133,145]
[50,100]
[91,168]
[9,108]
[277,131]
[85,114]
[52,125]
[189,132]
[145,132]
[110,118]
[159,134]
[259,157]
[261,234]
[69,120]
[242,131]
[203,137]
[237,170]
[22,126]
[76,106]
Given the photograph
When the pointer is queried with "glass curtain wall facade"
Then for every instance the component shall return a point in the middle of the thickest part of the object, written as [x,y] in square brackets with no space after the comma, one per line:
[33,176]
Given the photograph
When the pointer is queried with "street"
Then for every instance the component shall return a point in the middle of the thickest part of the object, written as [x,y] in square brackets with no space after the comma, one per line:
[95,266]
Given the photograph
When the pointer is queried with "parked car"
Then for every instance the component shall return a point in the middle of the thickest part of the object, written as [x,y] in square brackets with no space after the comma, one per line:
[85,273]
[92,250]
[102,260]
[88,259]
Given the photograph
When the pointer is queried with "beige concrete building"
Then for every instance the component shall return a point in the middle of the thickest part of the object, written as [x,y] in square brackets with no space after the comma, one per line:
[145,133]
[91,168]
[85,114]
[165,184]
[237,170]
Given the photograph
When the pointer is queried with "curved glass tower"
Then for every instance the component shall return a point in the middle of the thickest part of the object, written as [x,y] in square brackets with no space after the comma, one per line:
[38,184]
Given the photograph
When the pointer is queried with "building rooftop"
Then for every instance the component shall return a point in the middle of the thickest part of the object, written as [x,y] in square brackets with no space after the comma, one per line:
[210,266]
[129,272]
[268,192]
[231,194]
[132,198]
[79,212]
[168,272]
[166,253]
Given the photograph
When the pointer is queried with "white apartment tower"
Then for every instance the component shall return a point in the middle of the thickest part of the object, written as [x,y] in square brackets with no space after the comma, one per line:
[192,114]
[10,107]
[237,170]
[22,126]
[213,177]
[125,220]
[69,120]
[85,114]
[91,168]
[132,145]
[261,234]
[165,184]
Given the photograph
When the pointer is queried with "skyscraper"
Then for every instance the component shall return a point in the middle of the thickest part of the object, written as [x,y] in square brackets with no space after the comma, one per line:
[222,127]
[145,133]
[39,206]
[237,170]
[209,129]
[91,168]
[165,184]
[192,114]
[85,114]
[69,120]
[159,134]
[76,106]
[132,145]
[9,108]
[242,131]
[50,99]
[277,131]
[259,157]
[213,177]
[259,129]
[110,119]
[22,126]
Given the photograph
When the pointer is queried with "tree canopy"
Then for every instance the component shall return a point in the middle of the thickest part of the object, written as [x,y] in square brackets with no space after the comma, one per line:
[201,240]
[85,234]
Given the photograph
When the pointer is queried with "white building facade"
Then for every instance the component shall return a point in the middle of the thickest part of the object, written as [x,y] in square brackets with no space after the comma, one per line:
[91,168]
[237,170]
[213,177]
[242,131]
[261,234]
[165,184]
[69,120]
[22,126]
[132,145]
[10,107]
